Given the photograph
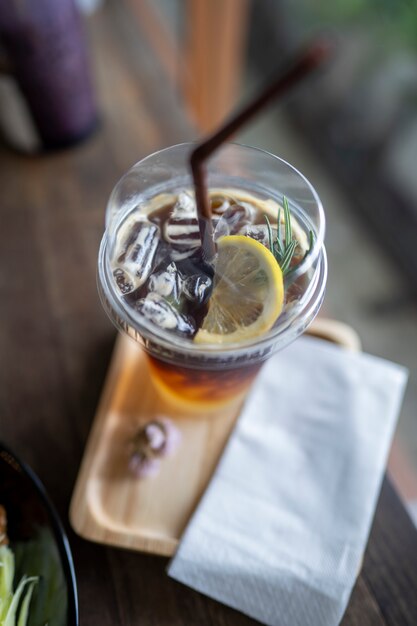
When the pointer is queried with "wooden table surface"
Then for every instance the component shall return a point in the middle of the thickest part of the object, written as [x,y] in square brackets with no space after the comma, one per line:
[55,346]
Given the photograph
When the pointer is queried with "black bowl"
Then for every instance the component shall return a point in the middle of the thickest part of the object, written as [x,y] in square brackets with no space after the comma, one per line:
[34,525]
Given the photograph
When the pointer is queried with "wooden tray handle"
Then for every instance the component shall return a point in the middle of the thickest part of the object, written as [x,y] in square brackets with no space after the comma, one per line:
[336,332]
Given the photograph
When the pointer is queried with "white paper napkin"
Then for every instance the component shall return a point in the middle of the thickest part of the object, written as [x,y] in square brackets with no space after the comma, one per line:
[281,530]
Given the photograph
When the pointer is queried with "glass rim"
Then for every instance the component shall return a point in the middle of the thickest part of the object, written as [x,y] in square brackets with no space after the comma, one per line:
[169,340]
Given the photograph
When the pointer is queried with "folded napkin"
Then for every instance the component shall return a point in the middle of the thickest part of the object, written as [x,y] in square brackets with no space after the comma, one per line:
[281,530]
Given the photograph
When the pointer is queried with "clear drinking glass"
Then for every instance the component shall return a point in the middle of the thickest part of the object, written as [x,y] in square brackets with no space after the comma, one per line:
[203,377]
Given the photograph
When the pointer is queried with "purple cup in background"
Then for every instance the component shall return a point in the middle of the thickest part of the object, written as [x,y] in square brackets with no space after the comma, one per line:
[46,51]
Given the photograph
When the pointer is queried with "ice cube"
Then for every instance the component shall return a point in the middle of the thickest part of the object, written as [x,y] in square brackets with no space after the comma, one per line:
[183,234]
[160,312]
[182,231]
[126,236]
[124,282]
[197,288]
[185,204]
[184,249]
[167,282]
[259,232]
[179,255]
[234,219]
[137,242]
[220,204]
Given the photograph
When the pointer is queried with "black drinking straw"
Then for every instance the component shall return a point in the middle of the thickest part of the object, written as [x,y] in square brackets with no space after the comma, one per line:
[302,64]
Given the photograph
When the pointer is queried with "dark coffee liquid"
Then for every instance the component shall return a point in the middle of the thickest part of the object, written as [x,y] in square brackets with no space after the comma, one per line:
[175,270]
[206,386]
[171,287]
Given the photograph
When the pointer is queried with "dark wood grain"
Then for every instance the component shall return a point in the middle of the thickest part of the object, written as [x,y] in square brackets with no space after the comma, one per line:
[55,346]
[388,581]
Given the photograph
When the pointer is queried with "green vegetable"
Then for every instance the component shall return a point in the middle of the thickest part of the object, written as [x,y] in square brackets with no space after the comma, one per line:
[40,557]
[24,609]
[283,247]
[14,606]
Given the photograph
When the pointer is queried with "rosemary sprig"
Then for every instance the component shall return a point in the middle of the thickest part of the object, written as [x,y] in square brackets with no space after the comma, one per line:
[283,248]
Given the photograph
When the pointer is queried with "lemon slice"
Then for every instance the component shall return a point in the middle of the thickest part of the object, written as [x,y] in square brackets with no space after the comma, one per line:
[248,292]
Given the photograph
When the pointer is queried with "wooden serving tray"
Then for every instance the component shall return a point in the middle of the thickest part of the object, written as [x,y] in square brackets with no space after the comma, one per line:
[111,506]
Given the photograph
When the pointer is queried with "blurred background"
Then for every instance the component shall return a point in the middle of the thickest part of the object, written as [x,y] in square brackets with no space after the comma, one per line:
[351,129]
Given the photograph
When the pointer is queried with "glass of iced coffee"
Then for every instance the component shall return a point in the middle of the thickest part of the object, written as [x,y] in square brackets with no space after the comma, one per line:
[207,328]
